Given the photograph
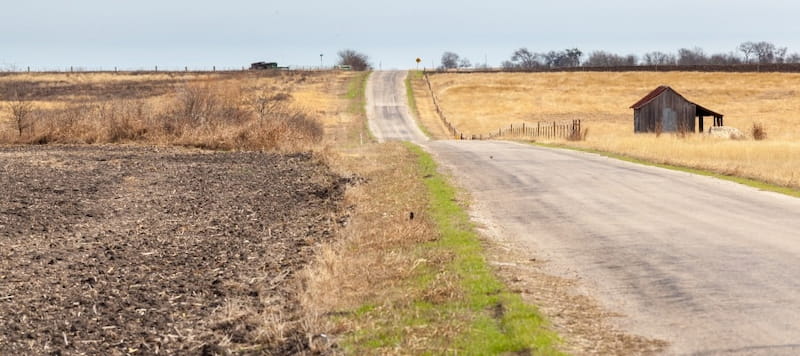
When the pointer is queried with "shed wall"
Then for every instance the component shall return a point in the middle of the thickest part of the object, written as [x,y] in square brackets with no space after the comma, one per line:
[648,116]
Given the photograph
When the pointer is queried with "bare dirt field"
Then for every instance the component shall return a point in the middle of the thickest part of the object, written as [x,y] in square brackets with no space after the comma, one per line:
[126,249]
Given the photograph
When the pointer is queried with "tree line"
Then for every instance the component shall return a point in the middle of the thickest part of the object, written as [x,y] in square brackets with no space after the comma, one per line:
[746,53]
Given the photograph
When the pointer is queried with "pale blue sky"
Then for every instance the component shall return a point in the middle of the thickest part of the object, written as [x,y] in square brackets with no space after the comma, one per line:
[142,34]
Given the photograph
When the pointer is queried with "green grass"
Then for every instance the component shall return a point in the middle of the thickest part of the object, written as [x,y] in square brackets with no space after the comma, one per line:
[355,92]
[356,89]
[412,101]
[483,318]
[519,327]
[741,180]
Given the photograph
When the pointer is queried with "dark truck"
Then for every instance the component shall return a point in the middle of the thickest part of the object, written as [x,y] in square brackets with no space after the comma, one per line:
[265,65]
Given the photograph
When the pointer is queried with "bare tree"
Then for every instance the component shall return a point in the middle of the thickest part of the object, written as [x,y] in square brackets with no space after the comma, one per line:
[780,54]
[356,60]
[464,63]
[792,58]
[449,60]
[523,58]
[695,56]
[657,58]
[765,52]
[607,59]
[21,111]
[725,59]
[747,49]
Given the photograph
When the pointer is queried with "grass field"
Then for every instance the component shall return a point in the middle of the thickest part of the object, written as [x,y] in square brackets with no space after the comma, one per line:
[483,102]
[231,110]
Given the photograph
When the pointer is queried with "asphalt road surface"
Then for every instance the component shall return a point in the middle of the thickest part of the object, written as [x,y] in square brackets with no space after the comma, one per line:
[387,108]
[711,266]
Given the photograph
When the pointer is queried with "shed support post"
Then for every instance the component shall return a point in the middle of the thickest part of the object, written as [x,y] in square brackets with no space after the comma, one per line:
[701,124]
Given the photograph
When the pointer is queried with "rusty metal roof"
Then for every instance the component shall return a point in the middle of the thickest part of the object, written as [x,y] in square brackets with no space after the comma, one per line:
[655,93]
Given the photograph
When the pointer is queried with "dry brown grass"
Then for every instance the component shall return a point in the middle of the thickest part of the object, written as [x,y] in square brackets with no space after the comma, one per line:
[483,102]
[369,279]
[249,111]
[380,224]
[426,111]
[375,258]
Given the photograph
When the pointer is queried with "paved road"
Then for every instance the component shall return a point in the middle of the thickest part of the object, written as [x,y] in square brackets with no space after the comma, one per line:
[710,266]
[387,109]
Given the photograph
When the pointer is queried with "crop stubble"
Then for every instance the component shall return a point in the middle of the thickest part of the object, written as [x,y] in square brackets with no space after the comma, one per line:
[117,249]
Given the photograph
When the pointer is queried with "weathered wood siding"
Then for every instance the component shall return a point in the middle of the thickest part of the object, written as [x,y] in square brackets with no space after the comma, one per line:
[670,110]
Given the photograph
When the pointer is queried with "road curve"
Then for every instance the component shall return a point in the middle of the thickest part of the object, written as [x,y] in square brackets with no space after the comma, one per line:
[387,108]
[711,266]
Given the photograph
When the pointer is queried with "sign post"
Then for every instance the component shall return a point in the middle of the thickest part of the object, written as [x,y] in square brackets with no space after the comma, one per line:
[418,61]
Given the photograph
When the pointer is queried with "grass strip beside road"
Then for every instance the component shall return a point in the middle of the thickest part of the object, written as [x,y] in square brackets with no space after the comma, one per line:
[412,101]
[501,322]
[356,90]
[392,285]
[737,179]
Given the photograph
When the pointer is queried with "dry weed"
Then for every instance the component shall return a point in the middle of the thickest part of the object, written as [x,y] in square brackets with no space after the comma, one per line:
[377,256]
[758,131]
[20,115]
[207,114]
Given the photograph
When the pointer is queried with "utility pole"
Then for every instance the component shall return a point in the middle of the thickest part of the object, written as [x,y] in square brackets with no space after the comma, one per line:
[320,61]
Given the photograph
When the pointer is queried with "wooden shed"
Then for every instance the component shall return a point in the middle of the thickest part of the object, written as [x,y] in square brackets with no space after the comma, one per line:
[665,110]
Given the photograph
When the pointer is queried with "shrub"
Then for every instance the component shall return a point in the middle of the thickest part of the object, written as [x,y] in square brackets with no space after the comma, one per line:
[205,115]
[758,131]
[20,114]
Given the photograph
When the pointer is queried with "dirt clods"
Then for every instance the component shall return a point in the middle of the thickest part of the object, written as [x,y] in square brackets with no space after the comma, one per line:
[126,250]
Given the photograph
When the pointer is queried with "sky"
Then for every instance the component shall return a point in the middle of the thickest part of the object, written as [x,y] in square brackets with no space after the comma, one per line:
[173,34]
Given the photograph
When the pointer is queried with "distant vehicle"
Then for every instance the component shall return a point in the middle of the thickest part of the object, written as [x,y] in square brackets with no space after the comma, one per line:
[265,65]
[345,67]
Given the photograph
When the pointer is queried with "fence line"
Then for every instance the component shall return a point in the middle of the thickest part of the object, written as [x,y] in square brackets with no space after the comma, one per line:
[542,129]
[153,69]
[450,127]
[547,130]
